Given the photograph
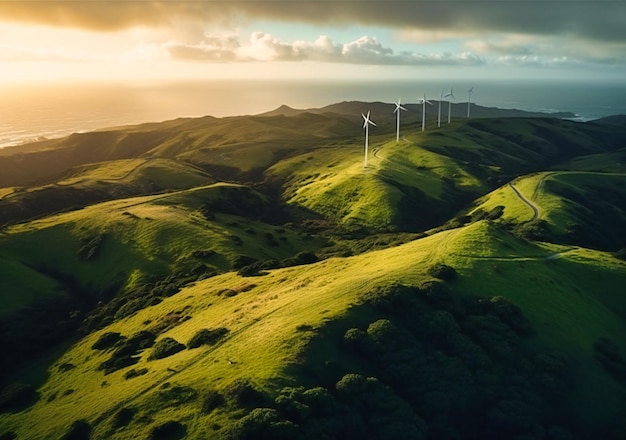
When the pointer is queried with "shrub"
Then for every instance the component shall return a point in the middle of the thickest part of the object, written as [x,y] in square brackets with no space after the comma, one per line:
[300,259]
[125,354]
[262,424]
[242,261]
[252,270]
[79,430]
[442,271]
[211,400]
[206,337]
[165,347]
[534,230]
[106,340]
[135,373]
[123,417]
[242,392]
[170,430]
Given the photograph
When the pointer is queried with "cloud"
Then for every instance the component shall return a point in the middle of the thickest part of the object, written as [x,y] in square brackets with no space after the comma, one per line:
[211,48]
[263,46]
[596,20]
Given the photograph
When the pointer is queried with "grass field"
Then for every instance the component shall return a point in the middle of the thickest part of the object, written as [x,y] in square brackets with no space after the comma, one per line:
[147,233]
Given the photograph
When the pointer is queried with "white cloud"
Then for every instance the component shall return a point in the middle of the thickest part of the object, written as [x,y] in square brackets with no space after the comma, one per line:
[265,47]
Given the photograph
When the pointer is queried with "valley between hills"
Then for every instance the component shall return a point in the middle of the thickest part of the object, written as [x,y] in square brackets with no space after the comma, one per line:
[246,278]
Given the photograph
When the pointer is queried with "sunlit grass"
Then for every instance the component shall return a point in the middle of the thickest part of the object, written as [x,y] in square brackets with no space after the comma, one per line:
[272,318]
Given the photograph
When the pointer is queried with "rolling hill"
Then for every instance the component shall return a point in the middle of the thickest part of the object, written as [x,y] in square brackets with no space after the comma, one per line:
[245,277]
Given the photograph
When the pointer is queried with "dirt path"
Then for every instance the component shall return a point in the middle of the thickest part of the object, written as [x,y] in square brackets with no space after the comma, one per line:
[525,200]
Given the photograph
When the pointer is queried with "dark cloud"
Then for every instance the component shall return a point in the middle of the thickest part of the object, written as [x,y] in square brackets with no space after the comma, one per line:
[593,19]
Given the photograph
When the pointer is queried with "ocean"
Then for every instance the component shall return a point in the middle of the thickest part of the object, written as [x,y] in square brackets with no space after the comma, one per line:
[37,112]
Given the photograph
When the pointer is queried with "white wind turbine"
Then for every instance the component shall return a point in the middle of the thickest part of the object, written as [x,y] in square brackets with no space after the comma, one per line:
[424,101]
[469,99]
[397,111]
[439,110]
[451,96]
[366,126]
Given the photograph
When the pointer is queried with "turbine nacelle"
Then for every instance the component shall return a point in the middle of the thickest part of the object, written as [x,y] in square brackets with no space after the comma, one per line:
[424,100]
[399,107]
[366,120]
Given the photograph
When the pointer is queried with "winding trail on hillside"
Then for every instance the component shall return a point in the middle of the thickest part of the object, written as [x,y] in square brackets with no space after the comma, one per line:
[525,200]
[376,151]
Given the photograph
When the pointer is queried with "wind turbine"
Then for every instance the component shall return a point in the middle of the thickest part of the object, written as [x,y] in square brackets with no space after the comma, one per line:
[439,110]
[366,126]
[469,99]
[397,111]
[450,95]
[424,101]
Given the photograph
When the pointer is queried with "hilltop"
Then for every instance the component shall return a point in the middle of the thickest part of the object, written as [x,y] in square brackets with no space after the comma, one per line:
[246,277]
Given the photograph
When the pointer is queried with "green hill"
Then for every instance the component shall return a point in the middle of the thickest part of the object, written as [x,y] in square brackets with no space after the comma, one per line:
[272,322]
[247,278]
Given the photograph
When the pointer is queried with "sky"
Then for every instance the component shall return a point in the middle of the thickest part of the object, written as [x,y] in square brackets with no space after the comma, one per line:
[142,41]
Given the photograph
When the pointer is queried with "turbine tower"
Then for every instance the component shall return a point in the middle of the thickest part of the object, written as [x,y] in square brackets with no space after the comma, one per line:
[439,110]
[469,99]
[366,126]
[424,101]
[451,96]
[397,111]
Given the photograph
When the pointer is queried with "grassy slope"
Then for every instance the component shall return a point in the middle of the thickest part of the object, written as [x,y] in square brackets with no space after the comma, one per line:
[571,296]
[559,296]
[144,238]
[577,205]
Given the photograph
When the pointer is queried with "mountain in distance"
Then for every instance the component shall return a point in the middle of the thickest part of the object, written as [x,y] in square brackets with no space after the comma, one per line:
[246,277]
[458,110]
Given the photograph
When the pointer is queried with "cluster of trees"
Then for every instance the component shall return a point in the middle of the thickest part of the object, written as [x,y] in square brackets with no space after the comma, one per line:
[424,364]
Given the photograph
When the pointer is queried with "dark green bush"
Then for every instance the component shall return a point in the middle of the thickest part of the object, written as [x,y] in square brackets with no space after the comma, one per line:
[534,230]
[79,430]
[10,435]
[135,373]
[241,261]
[442,271]
[211,400]
[165,347]
[123,417]
[126,353]
[243,393]
[262,424]
[170,430]
[207,337]
[106,340]
[300,259]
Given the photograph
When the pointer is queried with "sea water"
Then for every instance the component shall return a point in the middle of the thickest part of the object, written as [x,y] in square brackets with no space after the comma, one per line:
[35,112]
